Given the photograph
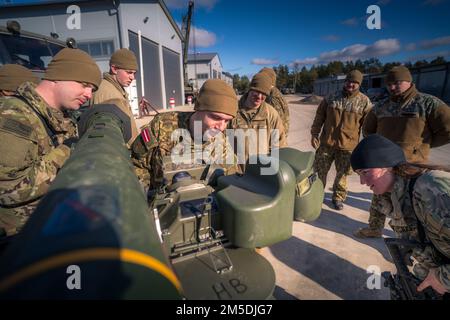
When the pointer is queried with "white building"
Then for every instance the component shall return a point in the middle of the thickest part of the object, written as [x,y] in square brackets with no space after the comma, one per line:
[204,66]
[102,26]
[228,78]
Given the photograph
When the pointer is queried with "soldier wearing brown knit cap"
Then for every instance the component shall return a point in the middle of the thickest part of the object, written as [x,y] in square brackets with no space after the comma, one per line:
[12,76]
[276,99]
[122,70]
[416,122]
[255,114]
[36,134]
[338,122]
[216,105]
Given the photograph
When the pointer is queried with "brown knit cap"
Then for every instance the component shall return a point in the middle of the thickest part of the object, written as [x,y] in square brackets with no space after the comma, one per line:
[355,76]
[13,75]
[271,73]
[398,73]
[73,65]
[217,96]
[261,82]
[124,59]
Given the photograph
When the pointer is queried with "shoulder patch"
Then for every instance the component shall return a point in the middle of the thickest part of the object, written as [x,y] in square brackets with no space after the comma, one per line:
[16,127]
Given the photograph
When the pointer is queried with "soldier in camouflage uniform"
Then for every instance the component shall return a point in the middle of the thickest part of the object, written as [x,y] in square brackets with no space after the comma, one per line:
[216,105]
[36,134]
[418,195]
[276,100]
[340,118]
[12,76]
[122,70]
[255,113]
[416,122]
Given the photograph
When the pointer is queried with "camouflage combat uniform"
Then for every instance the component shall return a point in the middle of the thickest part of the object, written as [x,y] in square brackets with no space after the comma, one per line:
[263,117]
[430,205]
[110,89]
[276,100]
[416,122]
[155,142]
[340,117]
[30,158]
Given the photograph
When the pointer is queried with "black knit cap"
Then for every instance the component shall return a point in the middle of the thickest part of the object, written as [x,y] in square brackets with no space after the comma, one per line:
[376,151]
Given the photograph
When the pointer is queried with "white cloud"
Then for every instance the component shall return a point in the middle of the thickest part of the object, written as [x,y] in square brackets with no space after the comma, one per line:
[429,44]
[203,38]
[411,47]
[331,38]
[379,48]
[304,62]
[179,4]
[350,22]
[437,42]
[264,62]
[430,56]
[432,2]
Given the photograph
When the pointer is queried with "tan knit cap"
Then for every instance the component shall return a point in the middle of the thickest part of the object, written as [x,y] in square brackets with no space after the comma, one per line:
[13,75]
[73,65]
[355,76]
[271,73]
[398,73]
[124,59]
[261,82]
[217,96]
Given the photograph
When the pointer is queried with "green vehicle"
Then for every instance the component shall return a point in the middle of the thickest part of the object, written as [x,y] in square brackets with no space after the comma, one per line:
[193,238]
[28,49]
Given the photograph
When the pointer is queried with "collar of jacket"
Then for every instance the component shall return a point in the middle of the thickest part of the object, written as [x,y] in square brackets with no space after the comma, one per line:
[108,77]
[259,114]
[405,96]
[349,95]
[56,119]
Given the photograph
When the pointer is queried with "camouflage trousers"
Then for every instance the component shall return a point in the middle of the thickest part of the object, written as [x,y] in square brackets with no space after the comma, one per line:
[325,156]
[377,218]
[427,258]
[12,220]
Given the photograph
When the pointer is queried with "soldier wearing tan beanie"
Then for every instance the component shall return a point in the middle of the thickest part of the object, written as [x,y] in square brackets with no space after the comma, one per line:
[416,122]
[36,134]
[12,76]
[335,132]
[122,70]
[255,114]
[216,105]
[276,99]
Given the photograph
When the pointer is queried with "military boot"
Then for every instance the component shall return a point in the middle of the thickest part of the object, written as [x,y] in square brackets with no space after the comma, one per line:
[368,233]
[338,205]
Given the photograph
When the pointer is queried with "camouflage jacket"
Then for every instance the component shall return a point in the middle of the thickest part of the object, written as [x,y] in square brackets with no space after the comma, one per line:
[161,138]
[30,158]
[110,89]
[430,203]
[276,100]
[263,118]
[340,118]
[415,121]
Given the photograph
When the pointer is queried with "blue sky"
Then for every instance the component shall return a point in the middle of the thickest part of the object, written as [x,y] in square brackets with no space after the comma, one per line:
[250,34]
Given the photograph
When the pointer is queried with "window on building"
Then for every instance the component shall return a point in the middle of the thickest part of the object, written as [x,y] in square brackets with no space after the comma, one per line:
[103,48]
[202,76]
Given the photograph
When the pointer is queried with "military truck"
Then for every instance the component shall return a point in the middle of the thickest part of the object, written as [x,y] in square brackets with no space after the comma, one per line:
[28,49]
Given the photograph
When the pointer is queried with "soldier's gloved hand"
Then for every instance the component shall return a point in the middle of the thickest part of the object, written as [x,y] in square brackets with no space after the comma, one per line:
[70,142]
[315,142]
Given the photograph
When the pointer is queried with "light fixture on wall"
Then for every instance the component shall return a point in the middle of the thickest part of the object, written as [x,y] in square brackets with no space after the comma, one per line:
[145,19]
[173,36]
